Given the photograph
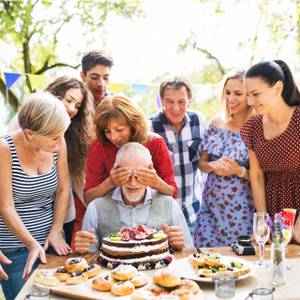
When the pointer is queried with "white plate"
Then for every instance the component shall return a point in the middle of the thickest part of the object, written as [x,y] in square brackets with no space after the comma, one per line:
[186,270]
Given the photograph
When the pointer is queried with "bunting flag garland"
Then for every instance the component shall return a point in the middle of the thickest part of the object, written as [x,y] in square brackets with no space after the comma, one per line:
[141,89]
[11,78]
[117,87]
[158,101]
[37,82]
[201,92]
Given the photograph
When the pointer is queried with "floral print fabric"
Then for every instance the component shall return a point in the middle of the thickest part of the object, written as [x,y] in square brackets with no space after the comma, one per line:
[227,210]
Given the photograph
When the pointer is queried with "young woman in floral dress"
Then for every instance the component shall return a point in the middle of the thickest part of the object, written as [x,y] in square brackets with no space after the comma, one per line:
[226,210]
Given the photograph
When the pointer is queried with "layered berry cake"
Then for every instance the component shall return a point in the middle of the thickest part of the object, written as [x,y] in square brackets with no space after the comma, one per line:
[141,246]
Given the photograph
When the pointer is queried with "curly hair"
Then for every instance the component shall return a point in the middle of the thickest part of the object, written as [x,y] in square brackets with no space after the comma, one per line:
[78,135]
[123,109]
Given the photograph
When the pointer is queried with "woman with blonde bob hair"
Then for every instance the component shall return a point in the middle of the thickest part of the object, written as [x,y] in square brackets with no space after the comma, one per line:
[118,121]
[80,108]
[226,210]
[35,188]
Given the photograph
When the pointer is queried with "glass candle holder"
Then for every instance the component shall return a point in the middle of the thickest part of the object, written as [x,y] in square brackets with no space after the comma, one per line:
[38,294]
[224,285]
[263,292]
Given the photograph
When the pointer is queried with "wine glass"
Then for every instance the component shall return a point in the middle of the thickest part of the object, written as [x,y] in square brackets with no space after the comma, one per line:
[261,232]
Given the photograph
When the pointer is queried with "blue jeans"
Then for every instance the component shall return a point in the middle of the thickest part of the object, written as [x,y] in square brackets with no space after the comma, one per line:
[13,285]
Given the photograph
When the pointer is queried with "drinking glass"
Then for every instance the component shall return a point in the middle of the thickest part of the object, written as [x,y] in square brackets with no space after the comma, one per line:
[224,285]
[287,236]
[263,293]
[261,232]
[38,294]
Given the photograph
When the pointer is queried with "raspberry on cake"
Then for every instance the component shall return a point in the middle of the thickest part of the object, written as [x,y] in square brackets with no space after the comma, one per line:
[141,246]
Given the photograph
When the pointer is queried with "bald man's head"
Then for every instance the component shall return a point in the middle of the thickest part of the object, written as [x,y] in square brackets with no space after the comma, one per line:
[133,156]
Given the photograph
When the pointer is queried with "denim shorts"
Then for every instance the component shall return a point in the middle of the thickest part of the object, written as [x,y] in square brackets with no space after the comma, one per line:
[13,285]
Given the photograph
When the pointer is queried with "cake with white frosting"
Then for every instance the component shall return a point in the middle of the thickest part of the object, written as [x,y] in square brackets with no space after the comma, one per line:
[141,246]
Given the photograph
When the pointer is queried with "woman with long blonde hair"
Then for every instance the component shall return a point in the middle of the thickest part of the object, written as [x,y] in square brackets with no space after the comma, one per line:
[226,210]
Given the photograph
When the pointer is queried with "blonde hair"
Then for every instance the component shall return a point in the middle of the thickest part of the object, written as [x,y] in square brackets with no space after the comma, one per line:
[43,114]
[238,75]
[124,110]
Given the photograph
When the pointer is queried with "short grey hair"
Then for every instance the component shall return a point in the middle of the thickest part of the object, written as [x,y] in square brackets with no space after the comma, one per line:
[135,149]
[43,114]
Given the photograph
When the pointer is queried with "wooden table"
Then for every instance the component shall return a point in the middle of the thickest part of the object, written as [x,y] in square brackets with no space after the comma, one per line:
[289,291]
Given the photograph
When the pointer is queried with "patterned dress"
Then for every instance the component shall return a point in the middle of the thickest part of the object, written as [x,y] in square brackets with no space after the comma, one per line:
[227,210]
[280,160]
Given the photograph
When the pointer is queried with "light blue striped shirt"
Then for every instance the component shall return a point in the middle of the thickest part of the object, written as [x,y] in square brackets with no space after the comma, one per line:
[133,216]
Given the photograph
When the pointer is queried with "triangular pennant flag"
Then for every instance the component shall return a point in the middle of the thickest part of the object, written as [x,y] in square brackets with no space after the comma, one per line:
[158,101]
[140,88]
[11,78]
[36,81]
[116,87]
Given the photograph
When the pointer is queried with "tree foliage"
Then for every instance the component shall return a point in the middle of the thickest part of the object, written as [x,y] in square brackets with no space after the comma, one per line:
[33,27]
[276,26]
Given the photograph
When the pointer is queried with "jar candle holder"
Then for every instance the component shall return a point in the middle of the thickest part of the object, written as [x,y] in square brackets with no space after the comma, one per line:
[224,285]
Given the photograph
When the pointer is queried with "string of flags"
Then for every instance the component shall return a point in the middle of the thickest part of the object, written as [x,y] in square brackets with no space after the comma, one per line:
[201,92]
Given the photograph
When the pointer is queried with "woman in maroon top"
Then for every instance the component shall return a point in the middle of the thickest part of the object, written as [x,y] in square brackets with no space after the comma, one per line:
[119,121]
[273,136]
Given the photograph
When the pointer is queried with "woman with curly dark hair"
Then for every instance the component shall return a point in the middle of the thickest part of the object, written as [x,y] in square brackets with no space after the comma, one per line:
[79,106]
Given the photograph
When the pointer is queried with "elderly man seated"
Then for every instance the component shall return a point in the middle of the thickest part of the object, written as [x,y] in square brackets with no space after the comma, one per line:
[130,205]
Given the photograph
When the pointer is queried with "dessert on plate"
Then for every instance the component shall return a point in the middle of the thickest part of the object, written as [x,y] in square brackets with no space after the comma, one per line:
[207,265]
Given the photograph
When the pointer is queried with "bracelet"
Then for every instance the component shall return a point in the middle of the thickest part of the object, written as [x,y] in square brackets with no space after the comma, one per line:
[243,172]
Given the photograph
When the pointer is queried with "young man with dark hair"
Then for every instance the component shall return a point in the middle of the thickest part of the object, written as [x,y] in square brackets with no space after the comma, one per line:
[96,66]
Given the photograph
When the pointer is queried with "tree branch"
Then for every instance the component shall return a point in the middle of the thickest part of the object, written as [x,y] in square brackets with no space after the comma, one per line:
[26,60]
[191,42]
[255,40]
[209,55]
[46,67]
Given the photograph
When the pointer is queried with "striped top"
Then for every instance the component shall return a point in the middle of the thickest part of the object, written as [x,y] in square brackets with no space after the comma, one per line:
[33,198]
